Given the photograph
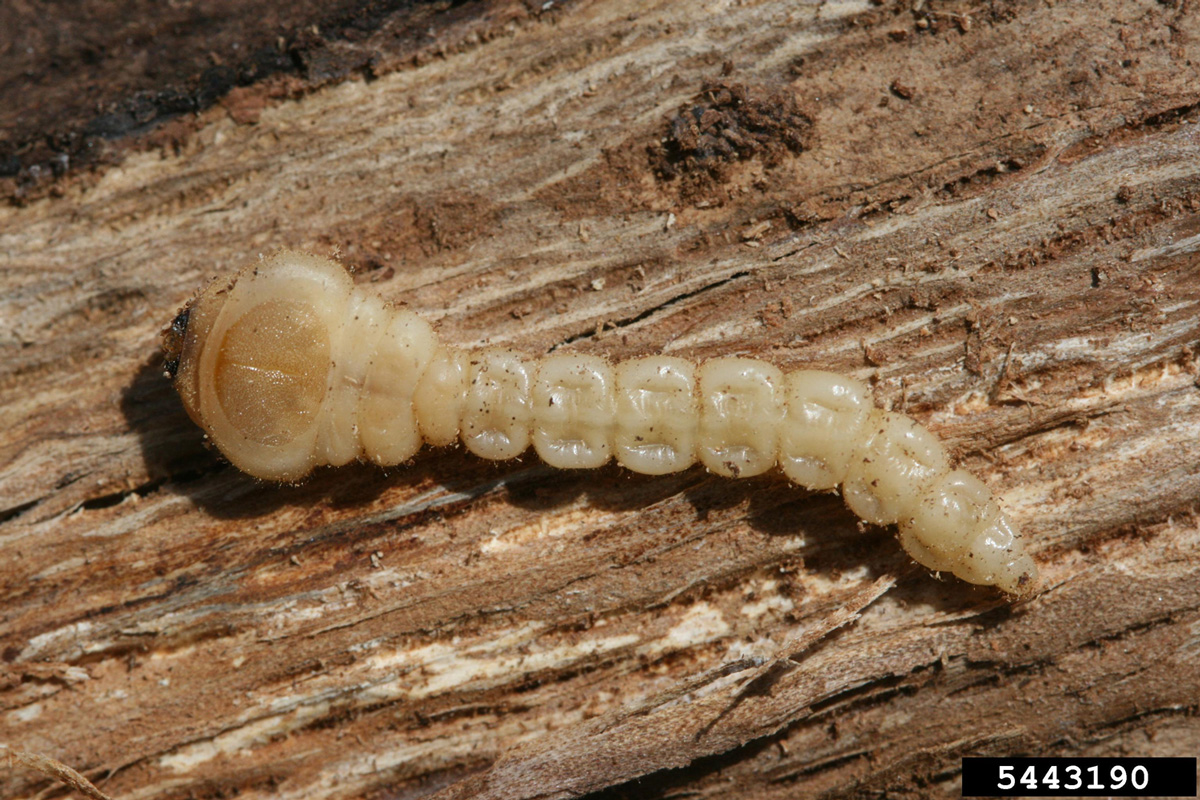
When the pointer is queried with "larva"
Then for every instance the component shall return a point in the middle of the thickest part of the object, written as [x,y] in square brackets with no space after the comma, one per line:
[288,366]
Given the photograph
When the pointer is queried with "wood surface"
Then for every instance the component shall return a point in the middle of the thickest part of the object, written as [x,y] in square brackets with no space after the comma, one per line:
[990,211]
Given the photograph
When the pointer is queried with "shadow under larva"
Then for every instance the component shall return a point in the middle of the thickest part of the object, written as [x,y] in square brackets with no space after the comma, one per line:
[288,366]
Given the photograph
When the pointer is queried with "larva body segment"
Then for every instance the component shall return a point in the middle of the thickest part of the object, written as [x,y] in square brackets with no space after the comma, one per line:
[289,366]
[741,407]
[657,414]
[497,416]
[892,468]
[440,396]
[386,419]
[825,417]
[574,408]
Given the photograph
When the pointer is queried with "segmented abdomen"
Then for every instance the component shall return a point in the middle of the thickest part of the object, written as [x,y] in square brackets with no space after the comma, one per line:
[368,381]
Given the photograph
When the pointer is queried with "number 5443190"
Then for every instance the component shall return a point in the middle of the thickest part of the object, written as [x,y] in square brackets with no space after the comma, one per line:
[1074,777]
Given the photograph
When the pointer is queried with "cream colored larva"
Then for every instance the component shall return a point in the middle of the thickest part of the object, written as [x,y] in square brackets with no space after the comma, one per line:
[289,366]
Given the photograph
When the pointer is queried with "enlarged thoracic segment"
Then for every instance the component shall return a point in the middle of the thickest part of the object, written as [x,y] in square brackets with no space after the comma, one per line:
[289,366]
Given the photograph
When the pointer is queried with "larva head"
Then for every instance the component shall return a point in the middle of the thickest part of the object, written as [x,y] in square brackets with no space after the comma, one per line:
[254,360]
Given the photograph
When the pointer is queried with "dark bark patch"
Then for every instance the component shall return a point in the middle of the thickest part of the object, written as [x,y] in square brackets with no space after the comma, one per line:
[727,123]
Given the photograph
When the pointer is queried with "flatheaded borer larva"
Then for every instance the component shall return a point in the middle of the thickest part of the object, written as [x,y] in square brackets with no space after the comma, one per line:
[289,366]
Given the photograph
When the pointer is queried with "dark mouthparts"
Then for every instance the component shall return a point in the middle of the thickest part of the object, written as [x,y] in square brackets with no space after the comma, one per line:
[173,341]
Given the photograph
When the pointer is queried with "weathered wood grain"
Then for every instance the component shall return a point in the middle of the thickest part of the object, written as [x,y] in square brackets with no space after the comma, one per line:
[993,218]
